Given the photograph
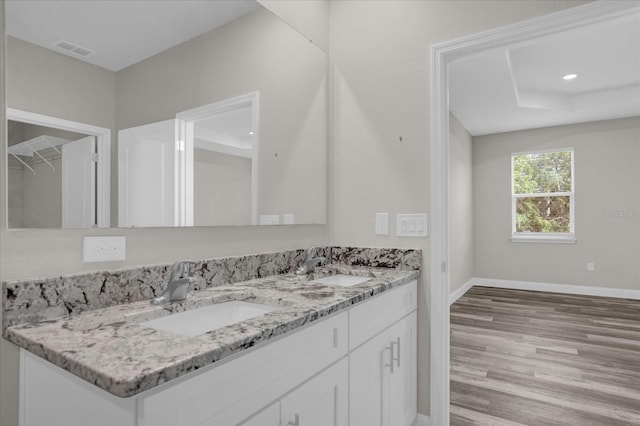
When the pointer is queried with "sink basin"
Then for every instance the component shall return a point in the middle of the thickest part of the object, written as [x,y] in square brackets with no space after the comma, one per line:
[342,280]
[198,321]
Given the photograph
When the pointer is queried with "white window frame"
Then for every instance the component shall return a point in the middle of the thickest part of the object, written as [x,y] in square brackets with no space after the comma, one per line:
[545,237]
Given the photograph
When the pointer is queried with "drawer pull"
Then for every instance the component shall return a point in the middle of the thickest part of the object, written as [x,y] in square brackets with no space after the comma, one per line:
[394,355]
[391,359]
[295,421]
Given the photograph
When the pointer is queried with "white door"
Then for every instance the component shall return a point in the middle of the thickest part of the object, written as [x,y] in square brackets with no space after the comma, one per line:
[402,388]
[78,183]
[148,175]
[368,377]
[322,401]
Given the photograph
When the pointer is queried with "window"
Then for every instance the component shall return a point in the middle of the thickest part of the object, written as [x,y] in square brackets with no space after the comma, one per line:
[542,196]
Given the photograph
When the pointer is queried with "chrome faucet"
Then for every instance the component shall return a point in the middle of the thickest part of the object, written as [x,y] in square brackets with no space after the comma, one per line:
[179,280]
[310,262]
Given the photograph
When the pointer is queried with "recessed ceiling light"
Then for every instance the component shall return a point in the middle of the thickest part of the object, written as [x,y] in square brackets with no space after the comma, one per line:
[570,76]
[251,133]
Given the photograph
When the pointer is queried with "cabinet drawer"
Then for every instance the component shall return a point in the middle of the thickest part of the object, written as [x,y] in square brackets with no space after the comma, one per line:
[369,318]
[276,366]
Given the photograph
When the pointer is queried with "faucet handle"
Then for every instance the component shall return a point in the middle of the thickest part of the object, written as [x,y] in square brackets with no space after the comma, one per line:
[182,269]
[311,253]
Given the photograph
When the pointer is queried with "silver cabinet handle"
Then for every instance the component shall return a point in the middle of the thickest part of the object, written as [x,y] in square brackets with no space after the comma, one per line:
[397,357]
[391,359]
[295,421]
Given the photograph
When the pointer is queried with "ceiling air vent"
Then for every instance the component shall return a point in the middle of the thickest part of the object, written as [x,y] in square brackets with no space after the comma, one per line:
[72,48]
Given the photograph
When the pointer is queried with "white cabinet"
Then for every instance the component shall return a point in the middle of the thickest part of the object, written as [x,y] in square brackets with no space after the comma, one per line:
[383,377]
[368,377]
[383,359]
[320,401]
[51,396]
[248,383]
[402,388]
[270,416]
[357,368]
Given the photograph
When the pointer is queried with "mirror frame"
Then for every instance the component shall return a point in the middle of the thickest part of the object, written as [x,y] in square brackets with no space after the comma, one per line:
[103,168]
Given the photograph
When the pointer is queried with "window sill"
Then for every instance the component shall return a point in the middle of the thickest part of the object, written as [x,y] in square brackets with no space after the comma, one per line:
[544,239]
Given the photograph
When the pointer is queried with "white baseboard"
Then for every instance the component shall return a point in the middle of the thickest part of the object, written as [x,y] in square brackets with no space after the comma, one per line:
[459,292]
[557,288]
[423,420]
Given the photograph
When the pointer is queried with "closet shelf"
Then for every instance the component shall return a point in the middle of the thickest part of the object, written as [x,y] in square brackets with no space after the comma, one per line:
[30,147]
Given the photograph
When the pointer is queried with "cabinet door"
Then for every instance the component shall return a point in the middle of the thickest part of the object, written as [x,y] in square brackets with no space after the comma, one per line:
[368,378]
[402,387]
[322,401]
[52,396]
[270,416]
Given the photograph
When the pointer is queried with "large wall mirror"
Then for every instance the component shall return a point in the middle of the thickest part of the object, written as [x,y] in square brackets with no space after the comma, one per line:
[162,113]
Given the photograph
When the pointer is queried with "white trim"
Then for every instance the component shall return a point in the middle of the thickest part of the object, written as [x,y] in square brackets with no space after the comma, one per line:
[521,237]
[439,286]
[205,111]
[103,140]
[460,292]
[567,238]
[22,392]
[621,293]
[441,55]
[422,420]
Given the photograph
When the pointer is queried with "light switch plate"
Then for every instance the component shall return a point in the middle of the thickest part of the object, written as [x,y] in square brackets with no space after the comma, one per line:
[269,219]
[382,223]
[288,219]
[412,225]
[103,248]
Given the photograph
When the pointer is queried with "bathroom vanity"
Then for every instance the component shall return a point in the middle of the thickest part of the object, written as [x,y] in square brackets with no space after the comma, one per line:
[331,351]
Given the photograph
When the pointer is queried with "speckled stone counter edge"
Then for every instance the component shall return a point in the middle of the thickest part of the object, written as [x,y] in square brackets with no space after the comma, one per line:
[40,299]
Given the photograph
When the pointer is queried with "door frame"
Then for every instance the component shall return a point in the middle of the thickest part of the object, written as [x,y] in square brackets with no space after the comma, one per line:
[187,120]
[442,54]
[103,141]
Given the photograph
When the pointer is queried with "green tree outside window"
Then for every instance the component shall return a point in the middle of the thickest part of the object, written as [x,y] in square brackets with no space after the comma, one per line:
[543,192]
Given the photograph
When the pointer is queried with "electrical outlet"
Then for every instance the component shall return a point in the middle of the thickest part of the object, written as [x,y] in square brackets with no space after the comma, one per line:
[591,266]
[288,219]
[103,249]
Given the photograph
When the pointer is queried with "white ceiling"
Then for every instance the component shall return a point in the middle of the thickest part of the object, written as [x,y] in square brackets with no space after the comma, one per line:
[229,132]
[521,87]
[120,32]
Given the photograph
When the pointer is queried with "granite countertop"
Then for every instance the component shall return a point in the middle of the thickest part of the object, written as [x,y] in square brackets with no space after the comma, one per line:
[110,348]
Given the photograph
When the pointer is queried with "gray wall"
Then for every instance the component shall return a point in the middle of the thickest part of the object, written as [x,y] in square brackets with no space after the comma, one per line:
[53,84]
[607,207]
[32,253]
[221,64]
[460,205]
[35,200]
[221,180]
[380,91]
[49,83]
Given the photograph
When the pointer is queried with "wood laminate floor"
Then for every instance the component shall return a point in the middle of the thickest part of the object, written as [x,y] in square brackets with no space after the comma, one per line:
[533,358]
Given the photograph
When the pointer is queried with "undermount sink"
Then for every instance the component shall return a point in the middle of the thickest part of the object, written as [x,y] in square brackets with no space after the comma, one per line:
[201,320]
[342,280]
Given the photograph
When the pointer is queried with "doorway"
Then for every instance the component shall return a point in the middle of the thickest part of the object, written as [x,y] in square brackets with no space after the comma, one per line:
[85,166]
[441,56]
